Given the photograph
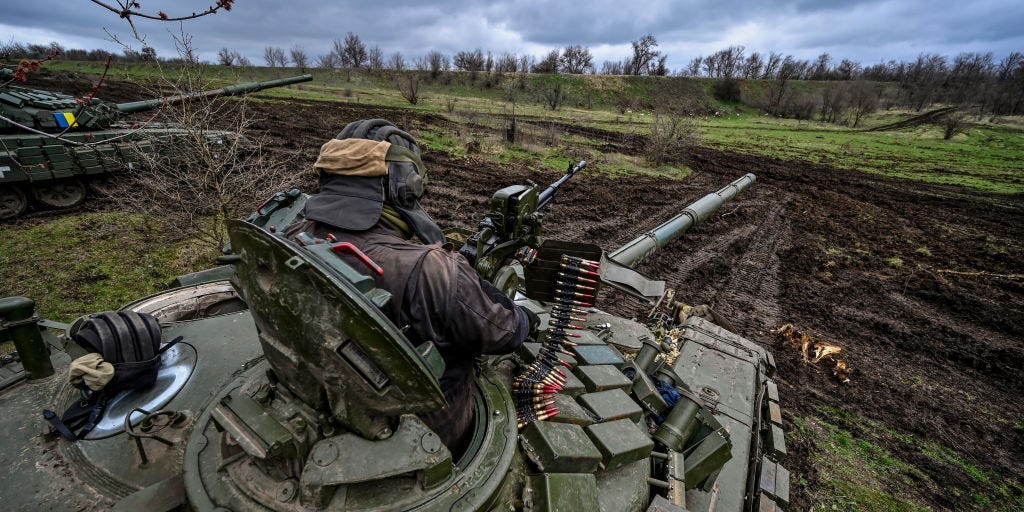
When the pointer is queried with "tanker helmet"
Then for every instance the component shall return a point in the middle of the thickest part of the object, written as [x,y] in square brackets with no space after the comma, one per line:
[369,163]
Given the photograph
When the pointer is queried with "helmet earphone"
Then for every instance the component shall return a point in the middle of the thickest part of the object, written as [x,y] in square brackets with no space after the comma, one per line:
[406,181]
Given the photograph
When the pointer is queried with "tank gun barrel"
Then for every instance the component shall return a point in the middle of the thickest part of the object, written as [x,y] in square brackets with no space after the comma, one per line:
[230,90]
[633,252]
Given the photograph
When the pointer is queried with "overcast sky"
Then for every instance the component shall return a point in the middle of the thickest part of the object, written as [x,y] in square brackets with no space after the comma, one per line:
[868,31]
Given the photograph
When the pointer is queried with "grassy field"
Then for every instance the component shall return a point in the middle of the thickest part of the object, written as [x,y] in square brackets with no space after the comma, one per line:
[75,264]
[986,157]
[857,472]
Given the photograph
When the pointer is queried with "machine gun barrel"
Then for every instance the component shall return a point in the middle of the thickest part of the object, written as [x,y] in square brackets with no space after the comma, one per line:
[230,90]
[548,194]
[633,252]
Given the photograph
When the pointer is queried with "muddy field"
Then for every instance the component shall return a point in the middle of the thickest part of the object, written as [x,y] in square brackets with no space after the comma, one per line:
[921,285]
[936,340]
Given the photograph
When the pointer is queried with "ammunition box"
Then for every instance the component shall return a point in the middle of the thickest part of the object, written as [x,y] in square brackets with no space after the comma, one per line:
[621,442]
[776,442]
[559,448]
[773,390]
[774,413]
[610,405]
[598,354]
[601,378]
[554,492]
[570,412]
[774,481]
[765,504]
[588,337]
[573,386]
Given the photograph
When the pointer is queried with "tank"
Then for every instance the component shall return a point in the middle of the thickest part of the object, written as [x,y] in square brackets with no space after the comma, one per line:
[291,391]
[55,148]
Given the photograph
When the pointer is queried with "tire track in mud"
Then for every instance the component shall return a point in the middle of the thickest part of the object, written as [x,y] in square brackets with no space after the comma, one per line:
[750,298]
[988,352]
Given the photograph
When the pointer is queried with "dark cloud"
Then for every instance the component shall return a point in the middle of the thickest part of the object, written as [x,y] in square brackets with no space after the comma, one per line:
[864,30]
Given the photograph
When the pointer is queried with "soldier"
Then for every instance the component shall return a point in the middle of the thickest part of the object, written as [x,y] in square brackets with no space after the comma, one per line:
[371,181]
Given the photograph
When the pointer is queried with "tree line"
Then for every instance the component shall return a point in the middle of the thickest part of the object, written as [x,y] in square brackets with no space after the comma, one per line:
[970,80]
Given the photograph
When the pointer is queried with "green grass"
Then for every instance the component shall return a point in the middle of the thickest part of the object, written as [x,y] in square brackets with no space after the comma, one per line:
[857,472]
[987,157]
[90,262]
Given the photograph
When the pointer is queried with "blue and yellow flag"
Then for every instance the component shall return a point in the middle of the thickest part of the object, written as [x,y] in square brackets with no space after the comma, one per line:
[65,119]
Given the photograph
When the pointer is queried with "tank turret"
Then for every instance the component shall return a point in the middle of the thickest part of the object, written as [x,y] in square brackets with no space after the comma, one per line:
[54,147]
[292,391]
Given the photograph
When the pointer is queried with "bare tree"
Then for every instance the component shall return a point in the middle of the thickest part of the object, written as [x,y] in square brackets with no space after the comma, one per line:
[924,79]
[576,60]
[549,64]
[846,70]
[821,68]
[507,63]
[834,101]
[409,84]
[710,66]
[299,57]
[352,52]
[725,63]
[274,57]
[658,67]
[196,179]
[610,67]
[225,57]
[328,60]
[397,62]
[241,60]
[552,92]
[863,99]
[771,66]
[1009,95]
[438,62]
[672,137]
[472,61]
[644,53]
[525,63]
[375,59]
[693,68]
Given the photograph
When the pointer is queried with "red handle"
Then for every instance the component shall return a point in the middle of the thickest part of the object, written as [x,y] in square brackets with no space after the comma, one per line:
[353,250]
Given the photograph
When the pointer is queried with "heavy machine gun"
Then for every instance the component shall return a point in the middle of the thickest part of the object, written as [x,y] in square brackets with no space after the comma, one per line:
[511,231]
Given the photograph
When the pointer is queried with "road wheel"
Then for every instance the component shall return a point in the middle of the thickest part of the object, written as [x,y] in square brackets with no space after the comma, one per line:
[101,186]
[59,194]
[12,202]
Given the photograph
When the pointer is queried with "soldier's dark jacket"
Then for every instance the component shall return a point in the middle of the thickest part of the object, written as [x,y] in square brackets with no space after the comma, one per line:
[437,296]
